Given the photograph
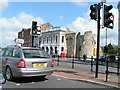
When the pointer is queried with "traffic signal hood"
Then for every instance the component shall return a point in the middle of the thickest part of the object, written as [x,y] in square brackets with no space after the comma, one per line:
[107,8]
[108,17]
[34,25]
[93,13]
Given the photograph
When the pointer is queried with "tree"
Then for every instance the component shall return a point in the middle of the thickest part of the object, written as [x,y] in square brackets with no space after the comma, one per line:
[112,49]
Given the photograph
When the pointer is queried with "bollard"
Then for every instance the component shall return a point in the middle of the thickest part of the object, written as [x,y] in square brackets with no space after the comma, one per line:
[58,61]
[118,66]
[73,62]
[92,63]
[107,70]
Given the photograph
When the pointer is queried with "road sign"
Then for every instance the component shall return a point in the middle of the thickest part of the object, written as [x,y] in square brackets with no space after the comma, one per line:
[39,28]
[19,41]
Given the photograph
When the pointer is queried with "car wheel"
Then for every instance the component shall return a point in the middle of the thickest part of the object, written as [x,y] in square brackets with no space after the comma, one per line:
[8,74]
[43,77]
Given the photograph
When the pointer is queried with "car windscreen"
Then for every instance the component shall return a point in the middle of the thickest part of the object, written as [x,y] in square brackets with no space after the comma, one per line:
[35,53]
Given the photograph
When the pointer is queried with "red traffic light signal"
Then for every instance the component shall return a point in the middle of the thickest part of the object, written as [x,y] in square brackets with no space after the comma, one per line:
[108,17]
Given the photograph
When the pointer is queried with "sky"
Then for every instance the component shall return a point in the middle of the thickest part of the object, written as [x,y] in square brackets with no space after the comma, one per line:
[72,14]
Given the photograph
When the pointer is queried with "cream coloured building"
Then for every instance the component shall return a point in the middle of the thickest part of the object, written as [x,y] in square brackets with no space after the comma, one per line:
[53,40]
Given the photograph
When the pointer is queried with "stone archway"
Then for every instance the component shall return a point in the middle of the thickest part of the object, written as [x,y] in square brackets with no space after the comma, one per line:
[47,49]
[69,42]
[56,52]
[43,48]
[51,50]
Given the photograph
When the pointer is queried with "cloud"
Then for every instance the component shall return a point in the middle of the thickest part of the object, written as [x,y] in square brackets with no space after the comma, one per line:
[11,26]
[82,24]
[3,4]
[61,17]
[80,2]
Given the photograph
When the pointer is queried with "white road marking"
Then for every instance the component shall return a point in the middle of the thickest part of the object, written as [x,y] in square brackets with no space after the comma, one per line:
[33,82]
[17,84]
[46,80]
[58,79]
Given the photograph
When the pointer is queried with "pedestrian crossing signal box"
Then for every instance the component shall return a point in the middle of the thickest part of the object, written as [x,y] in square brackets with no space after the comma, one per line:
[95,51]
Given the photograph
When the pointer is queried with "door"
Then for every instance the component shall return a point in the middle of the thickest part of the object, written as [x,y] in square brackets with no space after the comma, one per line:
[6,57]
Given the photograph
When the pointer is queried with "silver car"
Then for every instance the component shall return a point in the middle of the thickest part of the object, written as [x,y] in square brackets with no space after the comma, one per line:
[25,62]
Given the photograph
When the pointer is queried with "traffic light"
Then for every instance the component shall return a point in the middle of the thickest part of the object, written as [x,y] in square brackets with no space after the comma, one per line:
[108,17]
[34,27]
[93,13]
[105,49]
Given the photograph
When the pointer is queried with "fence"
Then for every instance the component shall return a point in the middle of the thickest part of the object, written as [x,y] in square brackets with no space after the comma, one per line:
[92,62]
[108,63]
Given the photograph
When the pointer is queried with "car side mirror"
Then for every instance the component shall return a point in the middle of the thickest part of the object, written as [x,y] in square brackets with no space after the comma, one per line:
[2,79]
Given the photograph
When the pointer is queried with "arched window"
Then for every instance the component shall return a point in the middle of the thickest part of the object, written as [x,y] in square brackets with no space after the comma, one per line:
[56,50]
[47,49]
[56,39]
[62,39]
[47,39]
[62,48]
[43,48]
[51,50]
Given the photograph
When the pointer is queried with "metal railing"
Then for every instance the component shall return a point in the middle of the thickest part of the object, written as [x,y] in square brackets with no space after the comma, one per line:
[92,62]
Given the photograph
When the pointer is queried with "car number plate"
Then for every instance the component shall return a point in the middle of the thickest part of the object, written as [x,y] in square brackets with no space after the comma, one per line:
[40,65]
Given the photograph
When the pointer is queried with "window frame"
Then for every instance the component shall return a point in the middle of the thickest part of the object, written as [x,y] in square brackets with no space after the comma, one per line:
[17,51]
[9,51]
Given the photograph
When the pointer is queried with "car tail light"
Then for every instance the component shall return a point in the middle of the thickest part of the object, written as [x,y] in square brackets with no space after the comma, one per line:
[52,63]
[21,64]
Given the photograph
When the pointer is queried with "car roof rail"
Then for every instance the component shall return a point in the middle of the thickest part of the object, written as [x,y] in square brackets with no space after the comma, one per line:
[14,46]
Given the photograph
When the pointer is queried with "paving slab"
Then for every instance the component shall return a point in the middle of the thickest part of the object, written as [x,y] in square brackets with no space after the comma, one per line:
[88,76]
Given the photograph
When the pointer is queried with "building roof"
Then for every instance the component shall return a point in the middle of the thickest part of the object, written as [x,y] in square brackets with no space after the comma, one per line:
[46,25]
[68,31]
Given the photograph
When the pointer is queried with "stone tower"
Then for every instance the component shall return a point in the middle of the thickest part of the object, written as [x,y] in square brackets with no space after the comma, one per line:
[71,43]
[85,44]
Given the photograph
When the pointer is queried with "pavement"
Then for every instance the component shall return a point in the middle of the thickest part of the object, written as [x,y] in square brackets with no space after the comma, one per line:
[88,76]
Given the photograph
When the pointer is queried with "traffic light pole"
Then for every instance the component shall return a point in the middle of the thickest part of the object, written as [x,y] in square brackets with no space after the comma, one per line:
[32,40]
[98,40]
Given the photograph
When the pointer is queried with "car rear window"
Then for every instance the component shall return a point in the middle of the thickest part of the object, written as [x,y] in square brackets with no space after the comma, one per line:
[35,53]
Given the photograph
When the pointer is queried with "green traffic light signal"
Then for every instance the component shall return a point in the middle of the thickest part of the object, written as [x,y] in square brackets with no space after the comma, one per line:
[34,27]
[34,32]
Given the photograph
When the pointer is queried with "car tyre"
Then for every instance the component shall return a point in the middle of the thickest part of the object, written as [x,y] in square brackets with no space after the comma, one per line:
[8,74]
[43,77]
